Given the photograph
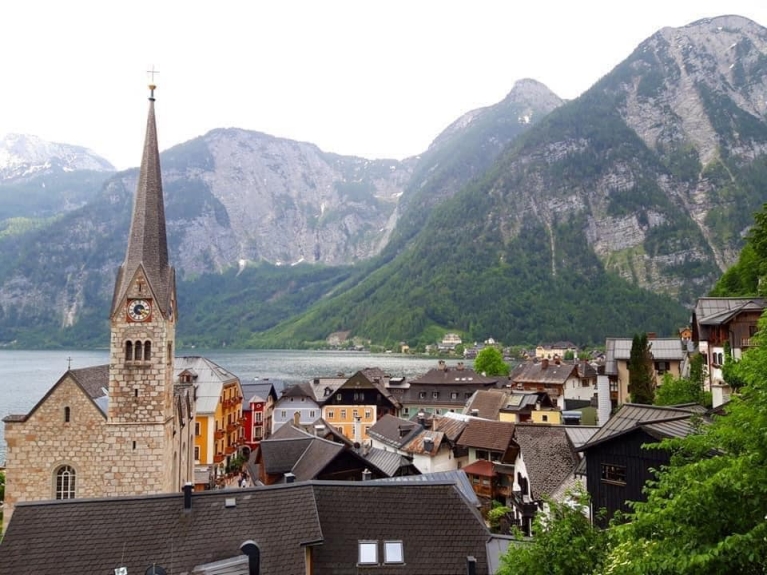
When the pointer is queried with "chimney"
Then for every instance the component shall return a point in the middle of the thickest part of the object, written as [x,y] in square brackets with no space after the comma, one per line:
[422,418]
[442,365]
[402,431]
[187,489]
[475,412]
[296,419]
[471,565]
[428,443]
[366,474]
[544,363]
[316,381]
[460,366]
[290,478]
[557,360]
[250,548]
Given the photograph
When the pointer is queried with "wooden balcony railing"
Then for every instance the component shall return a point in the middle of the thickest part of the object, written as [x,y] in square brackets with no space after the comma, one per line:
[218,458]
[220,433]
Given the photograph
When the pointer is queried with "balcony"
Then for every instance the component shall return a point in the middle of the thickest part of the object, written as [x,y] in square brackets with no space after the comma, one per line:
[747,342]
[220,433]
[231,427]
[218,458]
[230,449]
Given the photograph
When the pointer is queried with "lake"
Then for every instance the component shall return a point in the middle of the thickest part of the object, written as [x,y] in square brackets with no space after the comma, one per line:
[26,376]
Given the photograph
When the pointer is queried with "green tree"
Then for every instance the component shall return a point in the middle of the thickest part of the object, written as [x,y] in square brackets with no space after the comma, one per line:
[641,372]
[705,513]
[564,542]
[676,391]
[490,362]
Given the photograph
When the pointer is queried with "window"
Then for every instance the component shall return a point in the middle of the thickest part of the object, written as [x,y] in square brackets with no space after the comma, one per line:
[67,414]
[393,552]
[339,397]
[197,430]
[454,395]
[662,366]
[128,350]
[343,414]
[421,395]
[544,417]
[331,413]
[435,394]
[196,453]
[311,413]
[65,482]
[258,432]
[368,553]
[147,350]
[356,413]
[283,414]
[468,394]
[406,410]
[138,351]
[483,454]
[259,417]
[368,414]
[614,474]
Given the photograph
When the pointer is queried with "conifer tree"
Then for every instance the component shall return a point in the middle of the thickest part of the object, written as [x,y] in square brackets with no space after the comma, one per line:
[641,371]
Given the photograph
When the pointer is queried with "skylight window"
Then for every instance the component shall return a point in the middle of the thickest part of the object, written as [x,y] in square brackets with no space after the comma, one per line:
[393,552]
[368,552]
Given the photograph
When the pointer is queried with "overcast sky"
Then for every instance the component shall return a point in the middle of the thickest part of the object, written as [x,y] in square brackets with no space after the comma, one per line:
[377,79]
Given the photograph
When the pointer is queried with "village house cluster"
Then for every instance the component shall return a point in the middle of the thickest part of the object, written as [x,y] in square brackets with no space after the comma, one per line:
[139,464]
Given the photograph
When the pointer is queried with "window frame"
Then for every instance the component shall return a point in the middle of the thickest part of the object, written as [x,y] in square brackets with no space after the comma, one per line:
[612,474]
[364,550]
[65,482]
[398,548]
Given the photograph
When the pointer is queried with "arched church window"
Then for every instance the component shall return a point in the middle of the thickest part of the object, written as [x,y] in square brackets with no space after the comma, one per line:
[128,350]
[138,350]
[67,414]
[147,350]
[65,482]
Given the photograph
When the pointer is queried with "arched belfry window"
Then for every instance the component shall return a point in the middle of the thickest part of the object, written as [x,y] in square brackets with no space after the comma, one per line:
[147,350]
[65,482]
[67,414]
[138,354]
[128,350]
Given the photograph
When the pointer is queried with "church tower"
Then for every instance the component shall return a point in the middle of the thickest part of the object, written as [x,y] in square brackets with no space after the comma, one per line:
[143,330]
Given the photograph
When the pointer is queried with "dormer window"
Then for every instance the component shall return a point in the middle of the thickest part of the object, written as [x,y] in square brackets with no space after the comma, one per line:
[368,553]
[393,552]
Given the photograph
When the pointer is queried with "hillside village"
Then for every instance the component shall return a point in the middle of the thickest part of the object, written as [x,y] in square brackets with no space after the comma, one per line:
[161,463]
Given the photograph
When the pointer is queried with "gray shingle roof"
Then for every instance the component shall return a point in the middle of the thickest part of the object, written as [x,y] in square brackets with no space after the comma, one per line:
[718,310]
[387,461]
[94,380]
[454,376]
[544,372]
[147,241]
[548,455]
[630,415]
[393,430]
[280,455]
[487,402]
[436,525]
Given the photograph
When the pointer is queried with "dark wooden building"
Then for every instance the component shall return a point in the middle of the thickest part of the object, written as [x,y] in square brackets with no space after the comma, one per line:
[617,464]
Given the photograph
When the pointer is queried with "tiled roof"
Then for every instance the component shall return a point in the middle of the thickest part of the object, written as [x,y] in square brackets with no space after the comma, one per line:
[418,444]
[387,461]
[456,476]
[548,455]
[535,372]
[492,435]
[100,535]
[210,380]
[663,349]
[580,434]
[280,455]
[387,430]
[94,380]
[451,427]
[481,467]
[718,310]
[317,455]
[437,527]
[454,376]
[630,415]
[487,402]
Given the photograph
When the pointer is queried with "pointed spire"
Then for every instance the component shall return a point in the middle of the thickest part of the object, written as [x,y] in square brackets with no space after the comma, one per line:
[147,241]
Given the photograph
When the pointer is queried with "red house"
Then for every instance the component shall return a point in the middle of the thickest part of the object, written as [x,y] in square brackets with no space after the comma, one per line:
[258,401]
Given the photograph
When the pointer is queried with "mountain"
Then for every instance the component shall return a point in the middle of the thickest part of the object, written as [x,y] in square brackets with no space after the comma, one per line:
[239,205]
[600,220]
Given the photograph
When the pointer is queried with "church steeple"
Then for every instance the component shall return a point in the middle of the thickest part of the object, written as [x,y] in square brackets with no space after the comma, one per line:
[147,242]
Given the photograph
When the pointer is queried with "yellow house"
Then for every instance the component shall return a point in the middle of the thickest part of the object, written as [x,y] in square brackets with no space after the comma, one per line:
[218,420]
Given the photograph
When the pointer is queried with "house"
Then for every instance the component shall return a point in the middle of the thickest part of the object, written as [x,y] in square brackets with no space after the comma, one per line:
[488,440]
[441,390]
[668,355]
[301,399]
[258,401]
[125,428]
[218,433]
[530,406]
[512,406]
[449,342]
[586,387]
[355,405]
[431,449]
[293,454]
[313,528]
[618,465]
[546,459]
[720,322]
[555,350]
[551,376]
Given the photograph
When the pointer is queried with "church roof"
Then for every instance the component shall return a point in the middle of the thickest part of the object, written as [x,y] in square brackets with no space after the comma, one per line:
[147,241]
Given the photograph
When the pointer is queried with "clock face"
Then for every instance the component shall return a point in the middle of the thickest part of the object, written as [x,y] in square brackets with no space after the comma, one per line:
[139,309]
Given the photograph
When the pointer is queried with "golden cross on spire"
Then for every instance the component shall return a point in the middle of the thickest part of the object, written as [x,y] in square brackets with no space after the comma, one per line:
[152,85]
